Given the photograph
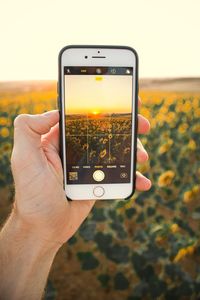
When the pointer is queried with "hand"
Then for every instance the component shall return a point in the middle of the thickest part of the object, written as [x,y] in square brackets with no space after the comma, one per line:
[40,201]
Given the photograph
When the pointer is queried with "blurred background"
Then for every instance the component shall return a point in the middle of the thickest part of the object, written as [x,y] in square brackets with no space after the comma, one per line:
[148,246]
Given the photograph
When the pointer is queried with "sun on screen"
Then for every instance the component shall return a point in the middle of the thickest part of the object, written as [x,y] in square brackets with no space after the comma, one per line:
[95,112]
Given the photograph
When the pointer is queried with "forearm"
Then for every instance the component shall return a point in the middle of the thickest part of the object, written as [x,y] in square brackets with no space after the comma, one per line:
[25,261]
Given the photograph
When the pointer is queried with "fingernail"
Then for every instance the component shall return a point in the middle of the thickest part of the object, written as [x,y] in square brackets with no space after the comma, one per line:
[149,183]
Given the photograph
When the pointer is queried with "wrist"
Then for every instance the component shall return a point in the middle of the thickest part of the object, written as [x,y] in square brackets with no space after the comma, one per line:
[25,260]
[30,235]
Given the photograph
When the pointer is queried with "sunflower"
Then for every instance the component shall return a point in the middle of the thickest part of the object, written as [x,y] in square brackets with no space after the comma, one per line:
[166,178]
[188,196]
[192,145]
[103,153]
[4,132]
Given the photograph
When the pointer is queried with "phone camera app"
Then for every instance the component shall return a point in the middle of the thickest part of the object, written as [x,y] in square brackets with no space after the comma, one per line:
[98,125]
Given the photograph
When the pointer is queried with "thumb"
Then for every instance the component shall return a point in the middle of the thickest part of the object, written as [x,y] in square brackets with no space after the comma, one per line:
[29,128]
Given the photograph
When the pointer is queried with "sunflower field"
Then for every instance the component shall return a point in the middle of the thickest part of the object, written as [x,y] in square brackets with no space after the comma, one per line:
[146,247]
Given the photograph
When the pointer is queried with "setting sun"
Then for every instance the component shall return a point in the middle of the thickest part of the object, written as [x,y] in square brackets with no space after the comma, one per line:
[86,95]
[95,112]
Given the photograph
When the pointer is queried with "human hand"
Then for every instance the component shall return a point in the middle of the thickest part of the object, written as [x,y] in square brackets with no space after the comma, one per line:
[40,201]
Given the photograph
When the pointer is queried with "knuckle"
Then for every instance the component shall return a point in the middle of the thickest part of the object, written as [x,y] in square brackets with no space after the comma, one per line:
[20,120]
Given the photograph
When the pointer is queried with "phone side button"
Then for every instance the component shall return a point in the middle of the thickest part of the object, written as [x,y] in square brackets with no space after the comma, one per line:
[98,191]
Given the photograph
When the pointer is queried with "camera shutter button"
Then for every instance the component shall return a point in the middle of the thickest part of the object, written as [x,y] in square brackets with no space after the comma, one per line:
[98,175]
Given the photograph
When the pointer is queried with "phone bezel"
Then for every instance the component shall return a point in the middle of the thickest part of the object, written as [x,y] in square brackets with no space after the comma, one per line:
[78,51]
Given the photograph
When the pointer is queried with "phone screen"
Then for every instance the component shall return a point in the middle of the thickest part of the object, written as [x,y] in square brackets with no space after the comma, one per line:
[98,124]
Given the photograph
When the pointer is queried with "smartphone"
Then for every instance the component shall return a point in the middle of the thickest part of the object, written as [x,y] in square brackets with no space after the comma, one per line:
[97,100]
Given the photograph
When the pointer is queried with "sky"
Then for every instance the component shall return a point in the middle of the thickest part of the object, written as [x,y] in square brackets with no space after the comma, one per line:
[88,94]
[165,34]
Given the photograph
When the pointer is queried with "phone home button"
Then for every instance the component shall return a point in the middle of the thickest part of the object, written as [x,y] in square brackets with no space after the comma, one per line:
[98,191]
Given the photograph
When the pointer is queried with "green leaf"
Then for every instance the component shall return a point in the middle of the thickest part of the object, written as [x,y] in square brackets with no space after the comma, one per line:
[120,282]
[196,216]
[103,241]
[89,262]
[87,231]
[156,287]
[104,279]
[98,214]
[138,262]
[130,212]
[139,291]
[50,291]
[151,211]
[72,240]
[140,218]
[121,203]
[118,254]
[117,226]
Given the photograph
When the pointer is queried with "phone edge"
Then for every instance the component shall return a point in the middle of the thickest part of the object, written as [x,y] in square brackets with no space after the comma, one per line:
[59,104]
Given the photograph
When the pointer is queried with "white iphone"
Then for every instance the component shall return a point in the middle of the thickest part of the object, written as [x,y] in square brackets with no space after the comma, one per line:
[97,98]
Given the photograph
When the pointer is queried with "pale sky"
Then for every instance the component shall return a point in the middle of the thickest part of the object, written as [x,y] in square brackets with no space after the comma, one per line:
[165,34]
[113,93]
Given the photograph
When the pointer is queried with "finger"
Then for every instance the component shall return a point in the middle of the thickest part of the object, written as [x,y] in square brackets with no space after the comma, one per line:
[80,210]
[142,154]
[27,139]
[29,128]
[51,138]
[142,183]
[143,124]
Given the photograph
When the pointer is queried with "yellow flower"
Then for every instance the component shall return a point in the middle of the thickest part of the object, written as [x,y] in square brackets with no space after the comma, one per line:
[175,228]
[85,146]
[196,190]
[171,116]
[164,148]
[183,127]
[143,168]
[4,121]
[102,153]
[6,147]
[4,132]
[192,145]
[183,252]
[195,103]
[127,150]
[188,196]
[196,128]
[197,112]
[186,107]
[105,141]
[161,239]
[166,178]
[164,110]
[192,194]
